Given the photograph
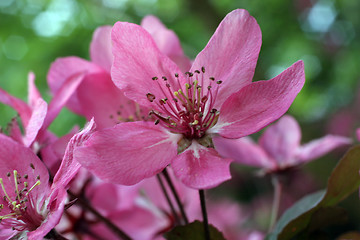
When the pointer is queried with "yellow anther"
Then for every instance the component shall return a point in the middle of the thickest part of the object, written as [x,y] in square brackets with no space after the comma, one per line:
[187,86]
[195,122]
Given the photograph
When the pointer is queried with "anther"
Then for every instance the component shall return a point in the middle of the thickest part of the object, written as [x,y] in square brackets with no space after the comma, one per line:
[219,82]
[197,71]
[164,78]
[203,69]
[154,78]
[32,166]
[151,97]
[176,75]
[212,78]
[8,174]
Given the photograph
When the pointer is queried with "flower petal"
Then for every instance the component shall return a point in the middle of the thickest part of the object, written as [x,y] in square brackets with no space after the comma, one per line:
[231,54]
[167,41]
[62,96]
[56,210]
[137,60]
[128,152]
[36,121]
[101,99]
[69,167]
[358,134]
[201,168]
[100,48]
[281,140]
[15,156]
[243,151]
[259,103]
[320,147]
[64,68]
[20,106]
[33,92]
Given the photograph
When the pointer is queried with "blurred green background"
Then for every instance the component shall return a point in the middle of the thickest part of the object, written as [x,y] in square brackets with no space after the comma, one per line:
[323,33]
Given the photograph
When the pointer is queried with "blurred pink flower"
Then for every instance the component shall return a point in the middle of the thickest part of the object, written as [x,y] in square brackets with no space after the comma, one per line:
[358,134]
[36,115]
[29,206]
[279,147]
[217,97]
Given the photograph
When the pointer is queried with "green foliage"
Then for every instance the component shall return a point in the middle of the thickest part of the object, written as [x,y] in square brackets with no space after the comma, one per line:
[193,231]
[319,210]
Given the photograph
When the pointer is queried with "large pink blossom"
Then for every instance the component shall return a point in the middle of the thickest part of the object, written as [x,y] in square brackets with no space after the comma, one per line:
[279,147]
[29,205]
[215,98]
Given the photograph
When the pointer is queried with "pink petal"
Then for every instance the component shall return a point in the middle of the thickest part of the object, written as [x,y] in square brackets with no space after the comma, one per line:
[201,168]
[281,140]
[69,167]
[231,54]
[320,147]
[15,156]
[15,131]
[35,122]
[137,222]
[167,41]
[56,209]
[33,94]
[242,150]
[358,134]
[128,152]
[101,99]
[100,48]
[64,68]
[259,103]
[53,151]
[137,60]
[20,106]
[62,96]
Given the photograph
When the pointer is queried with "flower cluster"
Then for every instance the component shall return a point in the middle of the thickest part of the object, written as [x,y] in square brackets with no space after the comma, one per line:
[161,129]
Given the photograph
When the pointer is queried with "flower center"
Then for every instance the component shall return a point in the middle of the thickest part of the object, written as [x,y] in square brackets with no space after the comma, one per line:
[18,210]
[187,109]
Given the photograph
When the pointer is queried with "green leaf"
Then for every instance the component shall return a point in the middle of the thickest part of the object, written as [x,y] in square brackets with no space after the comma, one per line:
[343,181]
[193,231]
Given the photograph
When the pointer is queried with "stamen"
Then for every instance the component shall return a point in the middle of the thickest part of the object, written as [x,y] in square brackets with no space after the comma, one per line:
[16,184]
[35,184]
[184,107]
[3,188]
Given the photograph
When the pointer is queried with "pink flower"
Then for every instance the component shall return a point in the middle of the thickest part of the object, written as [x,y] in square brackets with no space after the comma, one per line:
[279,147]
[29,206]
[215,98]
[37,115]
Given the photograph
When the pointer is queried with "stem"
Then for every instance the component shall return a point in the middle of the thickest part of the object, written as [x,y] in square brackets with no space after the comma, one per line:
[117,231]
[177,220]
[204,213]
[276,201]
[173,190]
[54,235]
